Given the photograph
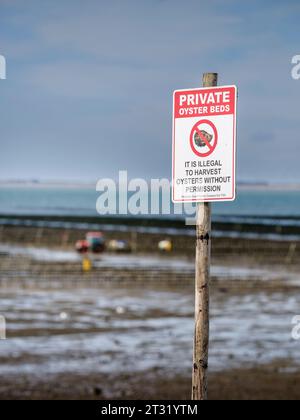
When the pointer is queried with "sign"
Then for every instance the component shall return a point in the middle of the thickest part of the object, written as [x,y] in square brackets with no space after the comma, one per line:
[204,144]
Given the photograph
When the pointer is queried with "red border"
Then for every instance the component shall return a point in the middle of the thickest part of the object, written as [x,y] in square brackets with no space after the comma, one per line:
[211,149]
[206,200]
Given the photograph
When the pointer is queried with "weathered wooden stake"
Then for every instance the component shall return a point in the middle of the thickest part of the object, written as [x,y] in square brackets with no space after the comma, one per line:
[203,251]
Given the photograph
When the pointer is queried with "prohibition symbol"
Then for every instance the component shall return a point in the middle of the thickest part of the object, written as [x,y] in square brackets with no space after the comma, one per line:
[203,140]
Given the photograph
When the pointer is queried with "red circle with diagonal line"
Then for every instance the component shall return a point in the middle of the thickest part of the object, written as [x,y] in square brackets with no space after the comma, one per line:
[197,130]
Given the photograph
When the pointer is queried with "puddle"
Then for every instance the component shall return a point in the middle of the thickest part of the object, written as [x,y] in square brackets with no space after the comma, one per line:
[119,330]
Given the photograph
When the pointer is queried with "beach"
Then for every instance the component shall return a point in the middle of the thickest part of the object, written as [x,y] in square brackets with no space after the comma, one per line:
[149,202]
[125,329]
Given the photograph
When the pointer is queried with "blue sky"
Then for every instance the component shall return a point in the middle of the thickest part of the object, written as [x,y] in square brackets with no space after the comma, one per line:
[89,84]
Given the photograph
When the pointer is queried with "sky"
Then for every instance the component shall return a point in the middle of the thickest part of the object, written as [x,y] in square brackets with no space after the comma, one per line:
[89,84]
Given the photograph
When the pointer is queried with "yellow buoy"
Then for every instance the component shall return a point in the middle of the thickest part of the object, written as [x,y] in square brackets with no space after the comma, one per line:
[86,265]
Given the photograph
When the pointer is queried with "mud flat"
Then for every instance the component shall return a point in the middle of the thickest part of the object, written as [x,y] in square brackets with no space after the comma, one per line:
[48,268]
[125,330]
[263,383]
[228,245]
[95,339]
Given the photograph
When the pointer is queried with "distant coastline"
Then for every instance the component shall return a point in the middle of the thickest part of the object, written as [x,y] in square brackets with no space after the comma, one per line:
[269,187]
[242,186]
[45,184]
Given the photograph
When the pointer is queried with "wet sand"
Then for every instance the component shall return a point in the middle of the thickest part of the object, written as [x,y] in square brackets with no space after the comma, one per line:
[125,330]
[263,383]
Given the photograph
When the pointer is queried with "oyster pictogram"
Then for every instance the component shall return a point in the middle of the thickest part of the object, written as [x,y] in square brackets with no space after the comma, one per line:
[198,140]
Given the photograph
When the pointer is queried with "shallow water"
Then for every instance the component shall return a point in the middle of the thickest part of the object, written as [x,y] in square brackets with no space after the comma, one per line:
[65,200]
[121,330]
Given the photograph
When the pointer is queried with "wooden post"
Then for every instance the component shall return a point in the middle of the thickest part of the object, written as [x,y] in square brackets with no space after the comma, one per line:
[203,251]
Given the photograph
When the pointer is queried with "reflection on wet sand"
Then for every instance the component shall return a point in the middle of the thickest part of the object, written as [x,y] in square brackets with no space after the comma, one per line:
[91,330]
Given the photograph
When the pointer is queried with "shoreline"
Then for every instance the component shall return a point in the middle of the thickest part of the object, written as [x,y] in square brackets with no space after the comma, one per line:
[256,227]
[241,186]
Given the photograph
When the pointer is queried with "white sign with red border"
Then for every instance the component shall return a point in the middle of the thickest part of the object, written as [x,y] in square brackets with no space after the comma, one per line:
[204,144]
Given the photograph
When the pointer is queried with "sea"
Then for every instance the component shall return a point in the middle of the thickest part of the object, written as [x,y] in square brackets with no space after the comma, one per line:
[279,208]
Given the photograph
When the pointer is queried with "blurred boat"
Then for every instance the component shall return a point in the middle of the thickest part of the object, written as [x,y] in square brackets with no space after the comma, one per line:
[82,247]
[119,246]
[96,242]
